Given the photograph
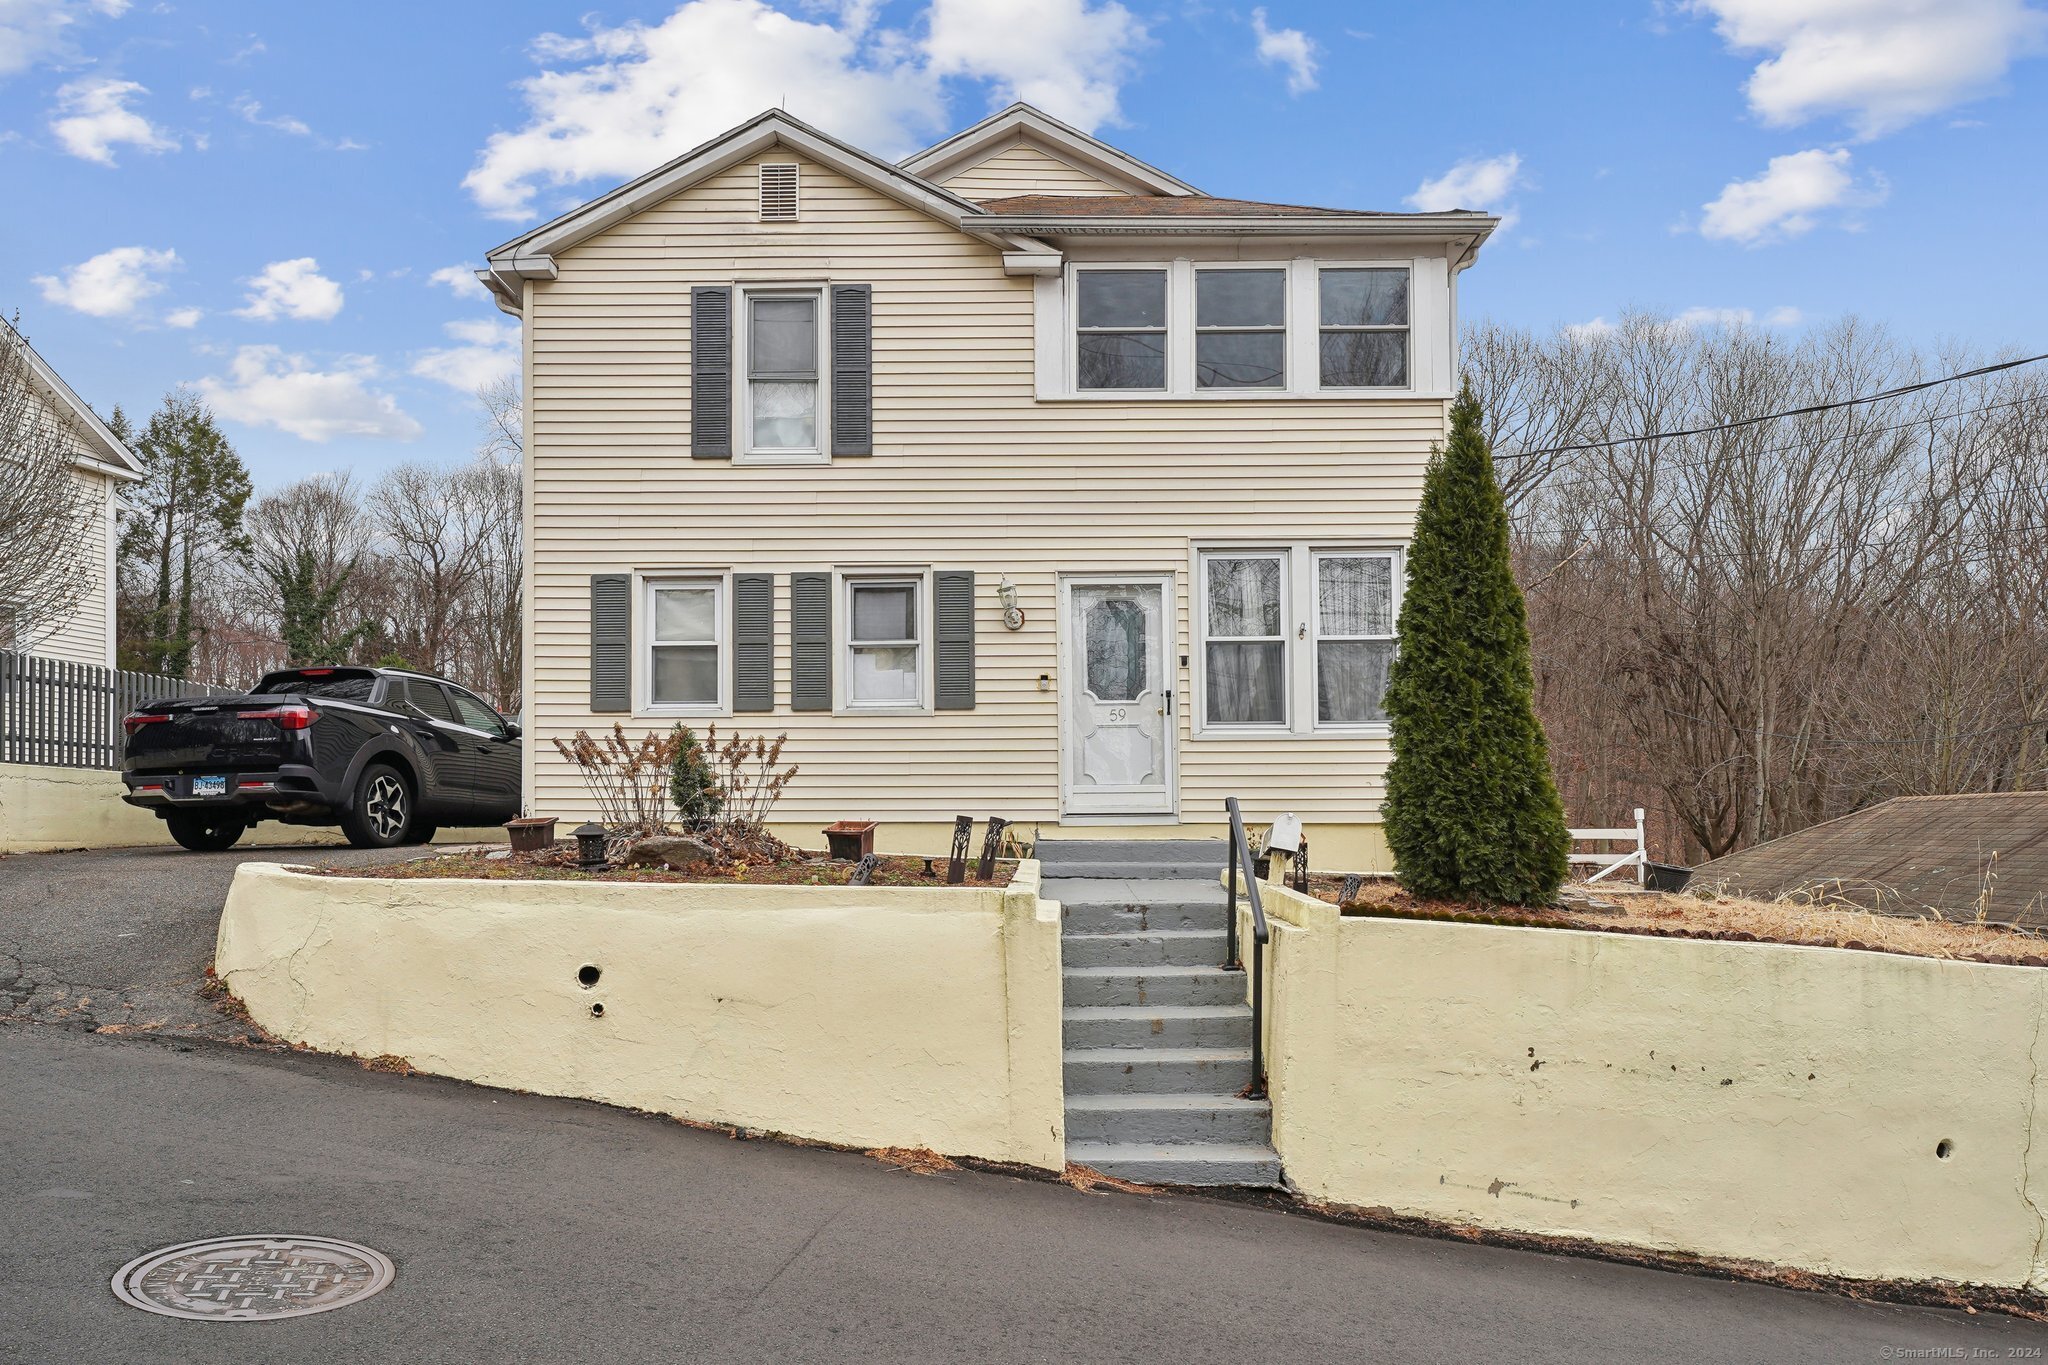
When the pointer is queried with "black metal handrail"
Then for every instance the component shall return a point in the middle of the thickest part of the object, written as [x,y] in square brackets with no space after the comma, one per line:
[1241,858]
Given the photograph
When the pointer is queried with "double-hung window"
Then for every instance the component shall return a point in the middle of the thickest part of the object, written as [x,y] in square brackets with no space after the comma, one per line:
[784,354]
[1295,639]
[685,633]
[1244,654]
[1120,333]
[1241,329]
[1354,636]
[1363,338]
[884,642]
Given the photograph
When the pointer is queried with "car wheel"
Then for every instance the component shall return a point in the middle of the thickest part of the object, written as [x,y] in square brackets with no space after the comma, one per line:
[422,834]
[204,833]
[382,811]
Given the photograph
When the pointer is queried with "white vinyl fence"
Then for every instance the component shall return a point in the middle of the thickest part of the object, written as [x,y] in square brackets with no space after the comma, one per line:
[1610,862]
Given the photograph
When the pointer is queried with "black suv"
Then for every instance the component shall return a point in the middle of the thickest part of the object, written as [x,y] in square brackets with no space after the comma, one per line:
[386,754]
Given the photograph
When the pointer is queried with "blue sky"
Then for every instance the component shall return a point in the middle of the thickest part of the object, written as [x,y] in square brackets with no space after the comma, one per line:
[255,198]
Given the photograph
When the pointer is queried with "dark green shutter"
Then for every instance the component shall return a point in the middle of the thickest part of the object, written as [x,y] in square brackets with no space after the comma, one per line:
[953,594]
[810,642]
[853,370]
[711,373]
[611,642]
[753,642]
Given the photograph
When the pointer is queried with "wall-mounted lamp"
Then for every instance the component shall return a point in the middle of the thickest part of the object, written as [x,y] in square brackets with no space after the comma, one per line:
[1013,615]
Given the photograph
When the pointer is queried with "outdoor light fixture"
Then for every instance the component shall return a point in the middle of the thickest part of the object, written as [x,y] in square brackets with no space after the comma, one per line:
[1013,615]
[590,846]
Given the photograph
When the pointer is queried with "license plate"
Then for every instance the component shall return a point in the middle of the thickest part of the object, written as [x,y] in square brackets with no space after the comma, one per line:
[209,786]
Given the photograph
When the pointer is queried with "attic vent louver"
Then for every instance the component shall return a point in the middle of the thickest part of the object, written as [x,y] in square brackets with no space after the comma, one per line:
[778,192]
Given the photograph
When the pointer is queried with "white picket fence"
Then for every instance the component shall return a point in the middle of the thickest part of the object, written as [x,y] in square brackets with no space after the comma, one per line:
[1610,863]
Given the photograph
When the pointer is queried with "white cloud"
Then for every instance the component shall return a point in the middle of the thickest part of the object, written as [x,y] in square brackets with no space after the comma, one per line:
[1591,330]
[1880,63]
[1784,316]
[252,112]
[292,289]
[1288,47]
[1785,200]
[490,351]
[644,94]
[460,280]
[1713,317]
[92,118]
[1068,57]
[1475,183]
[267,387]
[112,283]
[34,32]
[184,317]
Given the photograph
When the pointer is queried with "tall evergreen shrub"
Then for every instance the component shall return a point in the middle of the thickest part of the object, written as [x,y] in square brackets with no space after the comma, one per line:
[1472,812]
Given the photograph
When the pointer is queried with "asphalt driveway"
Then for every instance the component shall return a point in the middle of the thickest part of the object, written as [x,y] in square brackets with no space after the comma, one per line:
[122,938]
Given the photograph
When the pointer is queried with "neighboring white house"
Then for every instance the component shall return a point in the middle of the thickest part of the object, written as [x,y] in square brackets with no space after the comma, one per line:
[102,466]
[1017,479]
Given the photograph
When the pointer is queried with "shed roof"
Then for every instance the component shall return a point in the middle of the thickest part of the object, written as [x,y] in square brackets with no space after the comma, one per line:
[1954,856]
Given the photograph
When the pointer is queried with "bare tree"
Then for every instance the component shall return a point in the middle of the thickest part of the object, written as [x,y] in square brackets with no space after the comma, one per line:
[46,509]
[504,418]
[308,541]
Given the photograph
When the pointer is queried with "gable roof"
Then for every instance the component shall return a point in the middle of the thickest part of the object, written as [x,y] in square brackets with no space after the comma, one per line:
[529,255]
[1163,206]
[1911,855]
[1023,122]
[109,455]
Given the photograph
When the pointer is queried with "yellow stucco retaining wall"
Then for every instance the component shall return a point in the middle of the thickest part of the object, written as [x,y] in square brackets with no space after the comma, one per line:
[1337,847]
[42,809]
[868,1016]
[1754,1101]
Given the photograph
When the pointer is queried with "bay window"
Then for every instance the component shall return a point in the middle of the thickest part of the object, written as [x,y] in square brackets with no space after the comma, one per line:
[1294,640]
[884,642]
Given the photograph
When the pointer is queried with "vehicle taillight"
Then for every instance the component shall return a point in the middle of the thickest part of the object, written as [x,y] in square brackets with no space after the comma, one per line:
[133,723]
[287,717]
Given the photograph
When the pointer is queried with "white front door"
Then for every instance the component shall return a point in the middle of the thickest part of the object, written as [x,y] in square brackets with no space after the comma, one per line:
[1116,701]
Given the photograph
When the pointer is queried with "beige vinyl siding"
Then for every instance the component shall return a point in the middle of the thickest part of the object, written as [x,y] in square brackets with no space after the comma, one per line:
[87,637]
[969,472]
[1023,168]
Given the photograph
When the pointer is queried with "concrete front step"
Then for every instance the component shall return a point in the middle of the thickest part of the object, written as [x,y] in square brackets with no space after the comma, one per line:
[1162,985]
[1169,1119]
[1109,905]
[1193,1163]
[1172,1026]
[1145,858]
[1153,948]
[1157,1070]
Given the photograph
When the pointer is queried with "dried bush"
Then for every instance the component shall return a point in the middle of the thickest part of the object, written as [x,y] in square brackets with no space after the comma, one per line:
[628,778]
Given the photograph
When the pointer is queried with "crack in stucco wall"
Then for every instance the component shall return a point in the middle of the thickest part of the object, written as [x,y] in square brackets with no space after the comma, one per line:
[2027,1148]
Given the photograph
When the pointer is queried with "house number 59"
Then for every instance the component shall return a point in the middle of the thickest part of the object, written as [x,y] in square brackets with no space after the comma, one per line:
[1116,715]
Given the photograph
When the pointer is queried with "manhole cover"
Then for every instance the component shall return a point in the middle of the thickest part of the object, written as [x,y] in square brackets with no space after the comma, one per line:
[242,1279]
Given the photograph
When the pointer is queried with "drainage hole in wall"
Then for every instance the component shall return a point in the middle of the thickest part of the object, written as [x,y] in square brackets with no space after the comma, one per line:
[588,976]
[597,1011]
[1944,1149]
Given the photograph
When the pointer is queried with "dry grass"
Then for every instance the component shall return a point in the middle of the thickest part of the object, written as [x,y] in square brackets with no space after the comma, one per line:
[1686,915]
[916,1160]
[1088,1180]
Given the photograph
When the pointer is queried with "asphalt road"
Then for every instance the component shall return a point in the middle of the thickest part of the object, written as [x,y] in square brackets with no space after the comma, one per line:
[122,937]
[534,1229]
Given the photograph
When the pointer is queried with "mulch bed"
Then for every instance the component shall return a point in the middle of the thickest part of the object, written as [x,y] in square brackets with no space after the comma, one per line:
[558,864]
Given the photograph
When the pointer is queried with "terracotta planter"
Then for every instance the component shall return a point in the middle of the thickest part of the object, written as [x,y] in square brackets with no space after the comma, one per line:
[850,840]
[531,833]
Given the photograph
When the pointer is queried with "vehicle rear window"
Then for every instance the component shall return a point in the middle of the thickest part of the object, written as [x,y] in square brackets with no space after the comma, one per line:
[341,686]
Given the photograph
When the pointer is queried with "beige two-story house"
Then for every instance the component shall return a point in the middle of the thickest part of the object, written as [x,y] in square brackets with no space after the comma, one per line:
[1020,478]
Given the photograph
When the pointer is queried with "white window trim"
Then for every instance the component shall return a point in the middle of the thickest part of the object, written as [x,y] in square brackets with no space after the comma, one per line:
[1303,330]
[1298,619]
[1074,328]
[1288,371]
[1199,629]
[843,581]
[1316,637]
[1314,312]
[745,452]
[643,635]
